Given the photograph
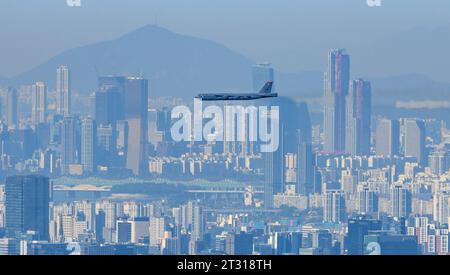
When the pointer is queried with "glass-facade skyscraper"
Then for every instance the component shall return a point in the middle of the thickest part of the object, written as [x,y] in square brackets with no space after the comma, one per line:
[63,90]
[70,137]
[38,103]
[88,145]
[358,120]
[131,94]
[136,116]
[27,204]
[336,87]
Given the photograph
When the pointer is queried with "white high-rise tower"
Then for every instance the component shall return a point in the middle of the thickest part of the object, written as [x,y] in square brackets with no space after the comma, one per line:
[63,90]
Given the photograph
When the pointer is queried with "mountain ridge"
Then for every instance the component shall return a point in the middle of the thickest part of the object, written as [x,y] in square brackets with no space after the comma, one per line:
[181,66]
[171,61]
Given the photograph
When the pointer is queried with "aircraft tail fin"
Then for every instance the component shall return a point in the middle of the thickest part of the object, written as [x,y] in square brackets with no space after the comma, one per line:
[267,89]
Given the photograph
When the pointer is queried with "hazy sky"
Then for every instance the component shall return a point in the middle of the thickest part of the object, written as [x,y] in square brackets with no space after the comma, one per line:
[282,31]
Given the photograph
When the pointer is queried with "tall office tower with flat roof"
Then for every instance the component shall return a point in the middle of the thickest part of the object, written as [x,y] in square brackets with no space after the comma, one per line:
[334,209]
[69,143]
[122,101]
[401,202]
[88,145]
[27,205]
[387,137]
[358,120]
[12,117]
[414,142]
[136,113]
[38,103]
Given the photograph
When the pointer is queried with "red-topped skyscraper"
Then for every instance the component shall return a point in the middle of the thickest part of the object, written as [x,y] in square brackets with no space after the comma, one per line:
[336,86]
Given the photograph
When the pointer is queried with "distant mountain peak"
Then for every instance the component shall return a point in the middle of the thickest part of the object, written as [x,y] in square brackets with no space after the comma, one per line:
[176,64]
[148,30]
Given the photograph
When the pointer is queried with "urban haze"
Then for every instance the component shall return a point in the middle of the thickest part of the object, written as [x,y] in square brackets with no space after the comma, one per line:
[355,96]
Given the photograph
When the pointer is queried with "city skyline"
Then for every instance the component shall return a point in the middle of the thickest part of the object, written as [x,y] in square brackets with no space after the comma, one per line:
[145,144]
[246,33]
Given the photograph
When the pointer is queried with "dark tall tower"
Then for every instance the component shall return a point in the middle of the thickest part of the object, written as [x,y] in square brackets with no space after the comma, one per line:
[125,99]
[107,110]
[295,138]
[273,175]
[108,104]
[88,145]
[70,141]
[11,107]
[27,205]
[136,113]
[336,87]
[359,111]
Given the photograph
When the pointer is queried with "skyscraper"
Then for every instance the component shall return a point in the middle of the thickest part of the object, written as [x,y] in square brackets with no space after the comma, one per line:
[108,103]
[305,169]
[273,176]
[106,145]
[136,112]
[88,145]
[439,162]
[110,210]
[294,138]
[108,111]
[414,142]
[387,138]
[193,220]
[27,204]
[38,103]
[367,201]
[336,88]
[130,96]
[123,232]
[401,202]
[261,73]
[11,107]
[63,91]
[305,156]
[358,120]
[441,207]
[334,208]
[157,228]
[69,143]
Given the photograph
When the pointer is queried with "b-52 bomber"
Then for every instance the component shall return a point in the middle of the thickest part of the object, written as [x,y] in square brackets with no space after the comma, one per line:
[265,92]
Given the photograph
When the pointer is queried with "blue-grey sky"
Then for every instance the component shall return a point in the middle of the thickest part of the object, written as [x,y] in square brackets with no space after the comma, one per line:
[293,34]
